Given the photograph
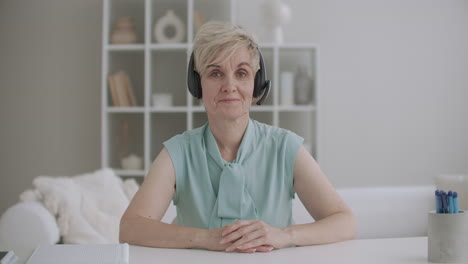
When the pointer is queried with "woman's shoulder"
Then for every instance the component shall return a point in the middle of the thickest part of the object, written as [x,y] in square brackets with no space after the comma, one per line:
[189,135]
[268,131]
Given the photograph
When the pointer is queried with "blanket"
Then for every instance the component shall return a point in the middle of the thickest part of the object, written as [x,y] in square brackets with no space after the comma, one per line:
[87,207]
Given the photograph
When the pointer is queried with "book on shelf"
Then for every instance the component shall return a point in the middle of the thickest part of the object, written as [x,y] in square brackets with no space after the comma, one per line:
[113,91]
[121,89]
[8,257]
[128,89]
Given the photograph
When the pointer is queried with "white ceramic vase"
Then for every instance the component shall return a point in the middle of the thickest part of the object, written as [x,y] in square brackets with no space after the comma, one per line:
[132,162]
[169,28]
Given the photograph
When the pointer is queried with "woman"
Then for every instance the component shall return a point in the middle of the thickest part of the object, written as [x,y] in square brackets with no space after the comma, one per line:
[233,179]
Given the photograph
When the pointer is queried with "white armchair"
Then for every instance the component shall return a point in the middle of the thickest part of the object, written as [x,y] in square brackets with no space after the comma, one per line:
[26,225]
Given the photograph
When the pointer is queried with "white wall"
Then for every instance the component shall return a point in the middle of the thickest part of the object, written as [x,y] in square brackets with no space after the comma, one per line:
[393,86]
[49,91]
[394,79]
[394,90]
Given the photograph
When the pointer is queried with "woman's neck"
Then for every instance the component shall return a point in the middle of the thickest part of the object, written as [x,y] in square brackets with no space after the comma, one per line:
[228,135]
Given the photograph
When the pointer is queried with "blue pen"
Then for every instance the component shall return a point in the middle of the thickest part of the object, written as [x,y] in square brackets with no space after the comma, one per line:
[444,202]
[441,198]
[438,202]
[455,202]
[450,202]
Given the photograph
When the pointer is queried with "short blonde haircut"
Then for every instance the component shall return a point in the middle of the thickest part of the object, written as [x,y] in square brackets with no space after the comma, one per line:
[216,42]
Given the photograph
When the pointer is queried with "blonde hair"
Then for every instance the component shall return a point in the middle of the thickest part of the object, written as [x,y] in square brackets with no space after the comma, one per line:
[216,42]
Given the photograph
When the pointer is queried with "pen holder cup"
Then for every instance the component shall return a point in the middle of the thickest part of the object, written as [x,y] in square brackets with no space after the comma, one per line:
[447,237]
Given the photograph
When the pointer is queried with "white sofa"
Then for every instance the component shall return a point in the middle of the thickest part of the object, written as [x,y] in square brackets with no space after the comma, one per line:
[381,212]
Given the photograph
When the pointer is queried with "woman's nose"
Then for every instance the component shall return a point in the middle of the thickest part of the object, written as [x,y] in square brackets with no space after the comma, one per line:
[229,84]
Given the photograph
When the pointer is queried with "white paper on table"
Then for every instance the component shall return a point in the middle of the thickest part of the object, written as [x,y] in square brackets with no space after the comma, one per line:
[81,254]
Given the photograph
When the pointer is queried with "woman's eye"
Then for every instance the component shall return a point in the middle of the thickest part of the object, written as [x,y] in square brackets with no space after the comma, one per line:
[215,74]
[242,74]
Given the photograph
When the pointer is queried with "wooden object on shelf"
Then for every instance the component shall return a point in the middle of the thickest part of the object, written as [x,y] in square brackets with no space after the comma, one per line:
[113,91]
[129,92]
[124,31]
[121,88]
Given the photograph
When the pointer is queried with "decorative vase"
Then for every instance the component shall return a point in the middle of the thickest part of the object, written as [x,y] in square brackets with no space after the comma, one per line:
[169,28]
[303,85]
[275,15]
[162,100]
[131,162]
[287,88]
[124,31]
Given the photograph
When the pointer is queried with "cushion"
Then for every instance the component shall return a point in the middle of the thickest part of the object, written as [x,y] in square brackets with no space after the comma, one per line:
[87,207]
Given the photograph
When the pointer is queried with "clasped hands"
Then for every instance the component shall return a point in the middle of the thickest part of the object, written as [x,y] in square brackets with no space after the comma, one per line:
[249,236]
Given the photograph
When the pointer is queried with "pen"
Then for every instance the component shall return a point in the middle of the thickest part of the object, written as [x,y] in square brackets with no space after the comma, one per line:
[455,202]
[438,202]
[450,202]
[444,203]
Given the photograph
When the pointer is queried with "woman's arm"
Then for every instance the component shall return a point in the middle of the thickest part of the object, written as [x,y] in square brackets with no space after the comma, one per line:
[334,220]
[141,223]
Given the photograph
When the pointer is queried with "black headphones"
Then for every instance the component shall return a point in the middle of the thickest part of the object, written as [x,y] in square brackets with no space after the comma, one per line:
[261,85]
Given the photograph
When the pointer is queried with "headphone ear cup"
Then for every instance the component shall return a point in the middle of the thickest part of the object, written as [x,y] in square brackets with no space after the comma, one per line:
[258,84]
[197,85]
[193,79]
[260,76]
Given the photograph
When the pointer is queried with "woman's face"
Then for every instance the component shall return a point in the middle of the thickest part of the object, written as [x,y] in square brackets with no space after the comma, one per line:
[227,88]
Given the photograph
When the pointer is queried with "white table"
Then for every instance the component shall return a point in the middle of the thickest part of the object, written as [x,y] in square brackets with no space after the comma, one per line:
[382,251]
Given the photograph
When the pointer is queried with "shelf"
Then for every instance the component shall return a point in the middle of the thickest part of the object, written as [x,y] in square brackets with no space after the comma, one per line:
[122,47]
[118,109]
[198,109]
[158,74]
[176,46]
[261,108]
[172,109]
[126,131]
[167,75]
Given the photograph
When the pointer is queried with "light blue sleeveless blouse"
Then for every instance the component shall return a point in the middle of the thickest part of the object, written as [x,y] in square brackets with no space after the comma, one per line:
[257,185]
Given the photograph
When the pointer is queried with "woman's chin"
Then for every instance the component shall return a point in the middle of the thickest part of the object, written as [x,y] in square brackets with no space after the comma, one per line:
[232,115]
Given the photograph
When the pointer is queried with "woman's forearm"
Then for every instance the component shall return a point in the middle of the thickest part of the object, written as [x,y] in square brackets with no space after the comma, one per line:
[142,231]
[335,228]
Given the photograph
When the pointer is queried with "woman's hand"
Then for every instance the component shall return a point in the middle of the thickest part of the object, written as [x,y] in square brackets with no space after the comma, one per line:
[212,240]
[215,236]
[252,235]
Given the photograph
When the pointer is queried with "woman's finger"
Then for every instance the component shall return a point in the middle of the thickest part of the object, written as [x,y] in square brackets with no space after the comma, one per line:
[247,237]
[234,226]
[264,248]
[250,250]
[238,234]
[252,244]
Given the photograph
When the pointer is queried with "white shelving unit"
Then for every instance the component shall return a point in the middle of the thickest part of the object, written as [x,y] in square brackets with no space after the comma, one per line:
[156,67]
